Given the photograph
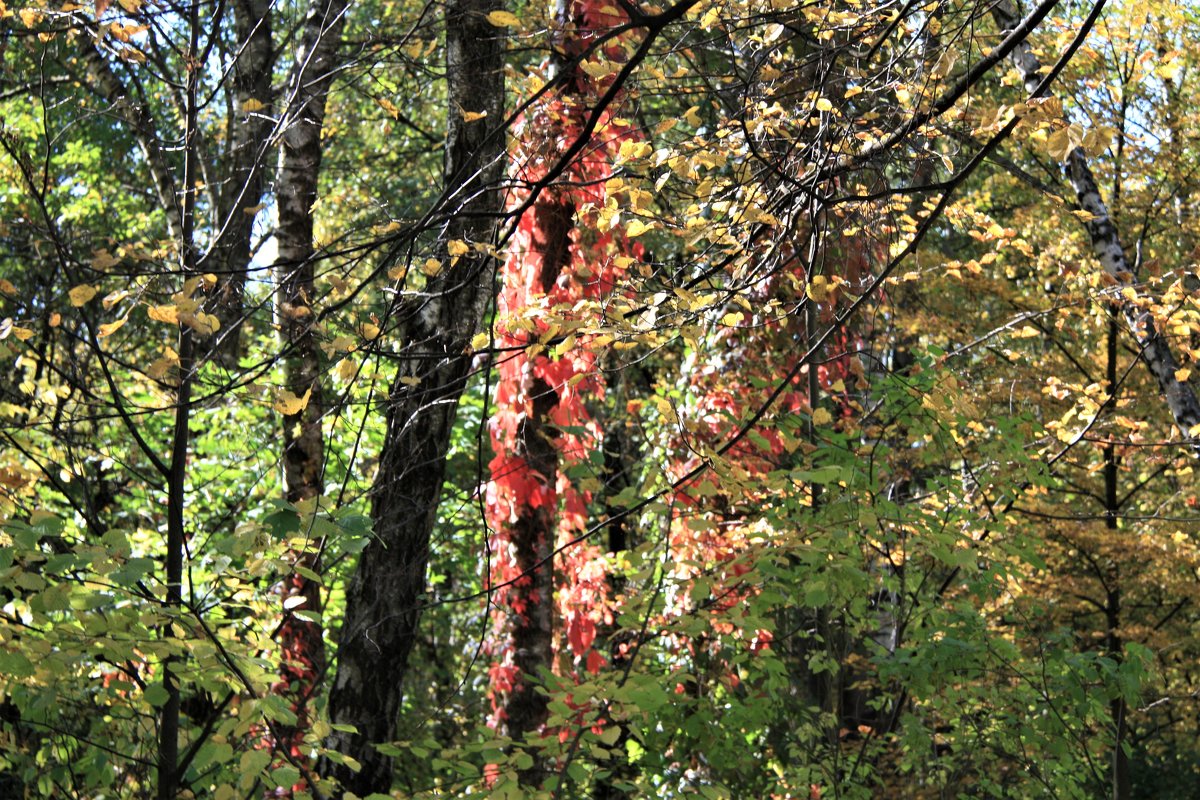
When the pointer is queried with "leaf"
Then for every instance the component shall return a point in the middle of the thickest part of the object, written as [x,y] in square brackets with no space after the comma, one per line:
[345,369]
[610,735]
[289,404]
[166,313]
[113,298]
[636,228]
[503,19]
[109,328]
[472,116]
[822,417]
[388,106]
[294,601]
[156,694]
[250,105]
[104,260]
[1058,144]
[81,294]
[824,105]
[818,288]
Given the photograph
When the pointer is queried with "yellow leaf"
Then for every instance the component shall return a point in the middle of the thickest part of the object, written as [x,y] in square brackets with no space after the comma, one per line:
[369,331]
[458,247]
[103,259]
[409,380]
[289,404]
[398,272]
[159,368]
[7,288]
[433,266]
[251,105]
[55,319]
[480,340]
[346,369]
[636,228]
[472,116]
[692,117]
[201,323]
[1058,144]
[1183,374]
[824,105]
[81,294]
[853,91]
[818,288]
[503,19]
[112,298]
[167,313]
[822,417]
[7,328]
[388,106]
[109,328]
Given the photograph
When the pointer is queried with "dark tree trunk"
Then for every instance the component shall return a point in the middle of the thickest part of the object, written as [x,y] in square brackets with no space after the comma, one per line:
[248,133]
[384,596]
[301,644]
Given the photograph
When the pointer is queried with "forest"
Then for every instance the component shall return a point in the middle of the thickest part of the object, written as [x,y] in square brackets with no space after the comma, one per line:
[600,399]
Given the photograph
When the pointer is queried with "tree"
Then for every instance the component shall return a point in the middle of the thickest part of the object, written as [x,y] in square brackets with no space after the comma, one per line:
[736,399]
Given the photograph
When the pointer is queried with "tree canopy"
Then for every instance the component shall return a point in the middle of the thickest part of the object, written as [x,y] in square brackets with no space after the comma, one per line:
[603,398]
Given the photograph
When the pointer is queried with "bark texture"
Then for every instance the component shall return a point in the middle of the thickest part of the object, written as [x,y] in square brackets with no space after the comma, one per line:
[1108,250]
[383,598]
[301,644]
[248,134]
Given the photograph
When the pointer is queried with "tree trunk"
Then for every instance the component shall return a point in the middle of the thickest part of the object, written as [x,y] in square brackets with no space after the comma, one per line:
[301,644]
[248,132]
[383,598]
[1108,250]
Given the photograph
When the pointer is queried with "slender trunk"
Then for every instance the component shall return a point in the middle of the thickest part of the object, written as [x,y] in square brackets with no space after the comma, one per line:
[168,731]
[1121,786]
[302,648]
[137,118]
[248,132]
[618,462]
[383,598]
[1155,351]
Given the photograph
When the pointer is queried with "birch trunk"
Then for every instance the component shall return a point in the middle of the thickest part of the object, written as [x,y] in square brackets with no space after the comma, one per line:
[1108,250]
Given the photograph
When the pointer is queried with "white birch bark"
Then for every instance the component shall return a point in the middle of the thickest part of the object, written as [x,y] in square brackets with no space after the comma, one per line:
[1110,253]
